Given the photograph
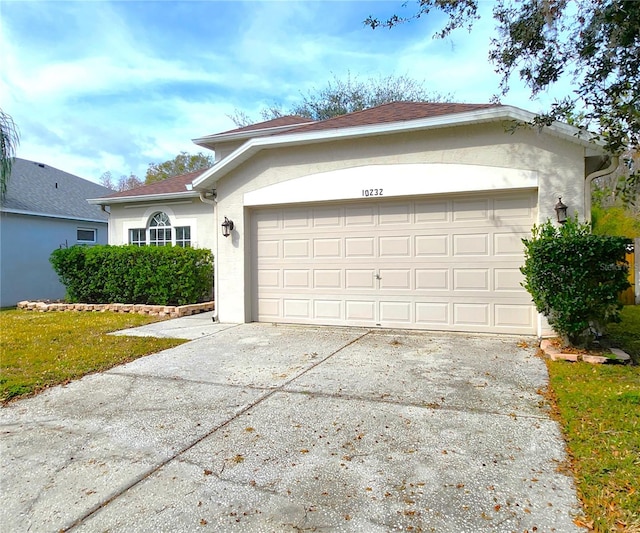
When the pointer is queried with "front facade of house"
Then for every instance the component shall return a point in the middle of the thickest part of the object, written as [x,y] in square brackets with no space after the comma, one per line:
[45,208]
[403,216]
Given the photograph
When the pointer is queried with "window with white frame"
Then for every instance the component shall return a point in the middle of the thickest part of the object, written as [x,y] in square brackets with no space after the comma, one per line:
[138,236]
[160,233]
[86,235]
[183,236]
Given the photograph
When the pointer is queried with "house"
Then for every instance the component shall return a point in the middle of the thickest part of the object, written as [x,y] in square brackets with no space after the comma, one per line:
[44,209]
[407,215]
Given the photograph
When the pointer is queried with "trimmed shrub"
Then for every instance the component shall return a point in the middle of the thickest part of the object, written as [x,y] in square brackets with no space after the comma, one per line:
[154,275]
[574,278]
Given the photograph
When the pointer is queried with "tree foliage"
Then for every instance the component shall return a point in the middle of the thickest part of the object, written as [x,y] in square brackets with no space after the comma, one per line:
[124,182]
[9,140]
[342,96]
[596,43]
[181,164]
[575,278]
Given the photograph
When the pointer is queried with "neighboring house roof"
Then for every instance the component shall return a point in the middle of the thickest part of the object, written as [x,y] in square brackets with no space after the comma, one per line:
[167,189]
[38,189]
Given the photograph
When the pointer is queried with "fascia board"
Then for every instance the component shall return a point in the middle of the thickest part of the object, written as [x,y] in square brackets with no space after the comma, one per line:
[238,136]
[493,114]
[144,197]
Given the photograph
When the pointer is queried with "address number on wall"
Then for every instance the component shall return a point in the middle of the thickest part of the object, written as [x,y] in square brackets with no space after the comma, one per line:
[372,192]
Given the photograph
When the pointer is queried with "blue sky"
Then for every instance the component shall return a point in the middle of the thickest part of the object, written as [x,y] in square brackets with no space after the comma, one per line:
[98,86]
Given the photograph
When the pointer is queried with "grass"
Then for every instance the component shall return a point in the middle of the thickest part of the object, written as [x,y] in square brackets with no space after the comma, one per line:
[598,407]
[39,350]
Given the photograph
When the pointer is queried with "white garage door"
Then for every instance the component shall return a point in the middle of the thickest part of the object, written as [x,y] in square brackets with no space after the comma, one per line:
[447,263]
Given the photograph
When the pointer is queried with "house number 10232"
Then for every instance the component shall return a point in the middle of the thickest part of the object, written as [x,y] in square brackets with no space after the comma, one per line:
[371,192]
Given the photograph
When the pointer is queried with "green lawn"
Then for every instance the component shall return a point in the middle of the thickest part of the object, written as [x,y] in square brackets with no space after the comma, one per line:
[39,350]
[599,409]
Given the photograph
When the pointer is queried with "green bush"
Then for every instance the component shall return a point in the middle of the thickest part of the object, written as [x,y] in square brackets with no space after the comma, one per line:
[574,278]
[156,275]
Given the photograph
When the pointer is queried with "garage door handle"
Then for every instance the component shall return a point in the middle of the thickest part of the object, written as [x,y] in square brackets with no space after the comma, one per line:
[378,276]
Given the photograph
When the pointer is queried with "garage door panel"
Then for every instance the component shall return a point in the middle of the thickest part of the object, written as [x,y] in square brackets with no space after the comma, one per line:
[327,248]
[471,279]
[515,207]
[268,249]
[432,279]
[360,310]
[509,243]
[508,279]
[399,312]
[359,247]
[296,248]
[464,210]
[360,279]
[431,211]
[432,245]
[360,216]
[432,314]
[514,316]
[471,244]
[327,279]
[427,263]
[395,279]
[269,308]
[469,314]
[328,309]
[392,214]
[327,217]
[296,218]
[269,278]
[296,279]
[393,246]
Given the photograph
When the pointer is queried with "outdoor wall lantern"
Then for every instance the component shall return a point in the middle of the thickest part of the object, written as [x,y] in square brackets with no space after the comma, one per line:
[227,227]
[561,211]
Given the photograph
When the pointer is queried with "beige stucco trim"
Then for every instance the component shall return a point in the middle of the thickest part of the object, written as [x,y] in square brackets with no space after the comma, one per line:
[392,180]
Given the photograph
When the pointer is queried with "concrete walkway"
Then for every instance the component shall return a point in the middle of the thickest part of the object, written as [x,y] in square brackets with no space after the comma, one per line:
[258,427]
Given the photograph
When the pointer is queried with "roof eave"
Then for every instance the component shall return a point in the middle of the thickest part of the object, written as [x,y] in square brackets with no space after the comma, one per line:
[209,140]
[144,197]
[491,114]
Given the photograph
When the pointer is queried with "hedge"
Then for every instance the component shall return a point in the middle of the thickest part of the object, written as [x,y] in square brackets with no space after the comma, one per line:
[152,275]
[575,278]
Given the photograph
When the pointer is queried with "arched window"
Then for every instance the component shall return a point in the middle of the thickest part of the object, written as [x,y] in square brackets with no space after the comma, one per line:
[160,233]
[159,230]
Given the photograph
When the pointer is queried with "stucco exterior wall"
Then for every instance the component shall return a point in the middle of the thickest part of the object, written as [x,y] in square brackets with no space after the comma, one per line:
[190,212]
[558,164]
[26,243]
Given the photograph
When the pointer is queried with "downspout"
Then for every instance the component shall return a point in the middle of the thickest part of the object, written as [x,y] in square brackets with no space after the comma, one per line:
[214,203]
[615,160]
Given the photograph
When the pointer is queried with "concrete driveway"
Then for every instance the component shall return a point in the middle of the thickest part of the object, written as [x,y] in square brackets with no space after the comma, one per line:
[258,427]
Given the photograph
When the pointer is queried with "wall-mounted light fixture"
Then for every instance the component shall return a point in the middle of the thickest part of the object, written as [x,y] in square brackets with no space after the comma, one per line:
[561,211]
[227,227]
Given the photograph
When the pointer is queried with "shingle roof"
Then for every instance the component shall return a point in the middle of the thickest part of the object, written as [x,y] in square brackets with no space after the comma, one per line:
[172,185]
[38,188]
[288,120]
[387,113]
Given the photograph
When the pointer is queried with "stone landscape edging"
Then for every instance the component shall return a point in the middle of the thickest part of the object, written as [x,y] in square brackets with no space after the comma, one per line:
[171,311]
[556,354]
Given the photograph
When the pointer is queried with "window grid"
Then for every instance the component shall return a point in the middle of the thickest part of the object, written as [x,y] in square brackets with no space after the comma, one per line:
[183,236]
[138,237]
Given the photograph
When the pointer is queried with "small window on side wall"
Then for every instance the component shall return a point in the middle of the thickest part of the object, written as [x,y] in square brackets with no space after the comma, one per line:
[87,235]
[183,236]
[138,237]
